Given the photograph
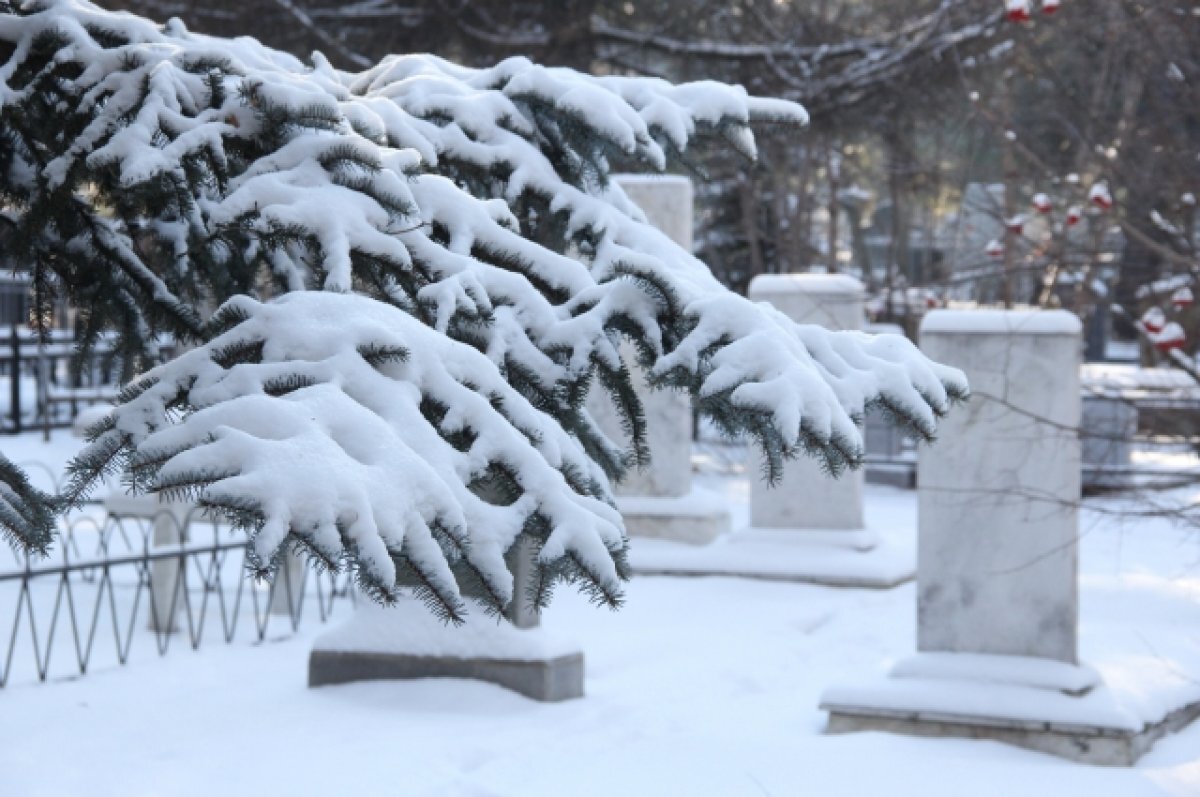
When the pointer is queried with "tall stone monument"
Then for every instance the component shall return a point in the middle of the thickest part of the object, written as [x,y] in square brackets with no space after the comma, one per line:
[660,500]
[806,497]
[997,556]
[997,588]
[168,530]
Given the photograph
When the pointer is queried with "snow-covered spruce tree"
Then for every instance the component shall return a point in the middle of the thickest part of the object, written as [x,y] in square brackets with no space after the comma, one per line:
[415,274]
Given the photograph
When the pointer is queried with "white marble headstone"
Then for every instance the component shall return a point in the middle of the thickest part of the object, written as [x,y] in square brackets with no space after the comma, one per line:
[660,499]
[808,498]
[999,491]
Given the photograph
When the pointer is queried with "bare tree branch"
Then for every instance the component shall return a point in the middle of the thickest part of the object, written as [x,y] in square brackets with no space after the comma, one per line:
[319,33]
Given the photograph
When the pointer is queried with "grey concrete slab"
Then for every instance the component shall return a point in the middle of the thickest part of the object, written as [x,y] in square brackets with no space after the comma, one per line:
[547,680]
[1082,743]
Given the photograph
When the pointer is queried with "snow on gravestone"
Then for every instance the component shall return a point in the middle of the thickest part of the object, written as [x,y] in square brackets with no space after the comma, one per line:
[997,592]
[659,500]
[806,497]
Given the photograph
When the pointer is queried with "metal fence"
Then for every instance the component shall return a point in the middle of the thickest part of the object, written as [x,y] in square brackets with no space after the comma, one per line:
[45,382]
[42,390]
[119,587]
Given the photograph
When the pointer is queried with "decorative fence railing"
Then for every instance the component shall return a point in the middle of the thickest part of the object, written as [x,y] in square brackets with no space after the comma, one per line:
[114,589]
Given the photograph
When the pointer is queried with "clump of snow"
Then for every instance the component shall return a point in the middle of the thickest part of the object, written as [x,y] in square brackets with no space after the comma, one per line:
[1100,196]
[1170,336]
[1017,10]
[314,180]
[1013,322]
[1165,285]
[1154,319]
[832,284]
[407,628]
[360,433]
[88,417]
[1114,378]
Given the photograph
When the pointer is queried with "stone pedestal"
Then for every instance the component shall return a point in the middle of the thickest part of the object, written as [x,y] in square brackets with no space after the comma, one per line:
[287,590]
[810,527]
[997,605]
[1036,704]
[661,501]
[407,641]
[169,522]
[549,680]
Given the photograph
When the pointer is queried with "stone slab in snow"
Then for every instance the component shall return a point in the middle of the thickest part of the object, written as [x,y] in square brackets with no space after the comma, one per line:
[406,641]
[880,556]
[1099,727]
[698,518]
[547,680]
[806,496]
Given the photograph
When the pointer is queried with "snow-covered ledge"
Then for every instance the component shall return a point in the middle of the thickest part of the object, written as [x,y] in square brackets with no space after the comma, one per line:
[997,606]
[661,501]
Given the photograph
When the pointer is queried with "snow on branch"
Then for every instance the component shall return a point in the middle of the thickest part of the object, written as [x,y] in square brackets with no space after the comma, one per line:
[153,174]
[26,513]
[345,426]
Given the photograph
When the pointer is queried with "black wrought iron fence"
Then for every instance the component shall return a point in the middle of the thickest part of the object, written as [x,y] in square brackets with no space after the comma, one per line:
[119,583]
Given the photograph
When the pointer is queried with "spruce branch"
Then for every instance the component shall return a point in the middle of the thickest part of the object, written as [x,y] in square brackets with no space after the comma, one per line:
[27,515]
[402,284]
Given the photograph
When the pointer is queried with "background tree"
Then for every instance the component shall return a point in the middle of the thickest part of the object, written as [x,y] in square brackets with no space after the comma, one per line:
[1120,106]
[1105,90]
[867,69]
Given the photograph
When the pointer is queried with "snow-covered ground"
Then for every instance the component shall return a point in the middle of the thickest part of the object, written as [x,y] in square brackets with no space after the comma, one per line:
[699,686]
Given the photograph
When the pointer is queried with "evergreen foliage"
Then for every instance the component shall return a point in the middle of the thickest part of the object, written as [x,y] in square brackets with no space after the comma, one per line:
[26,513]
[460,268]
